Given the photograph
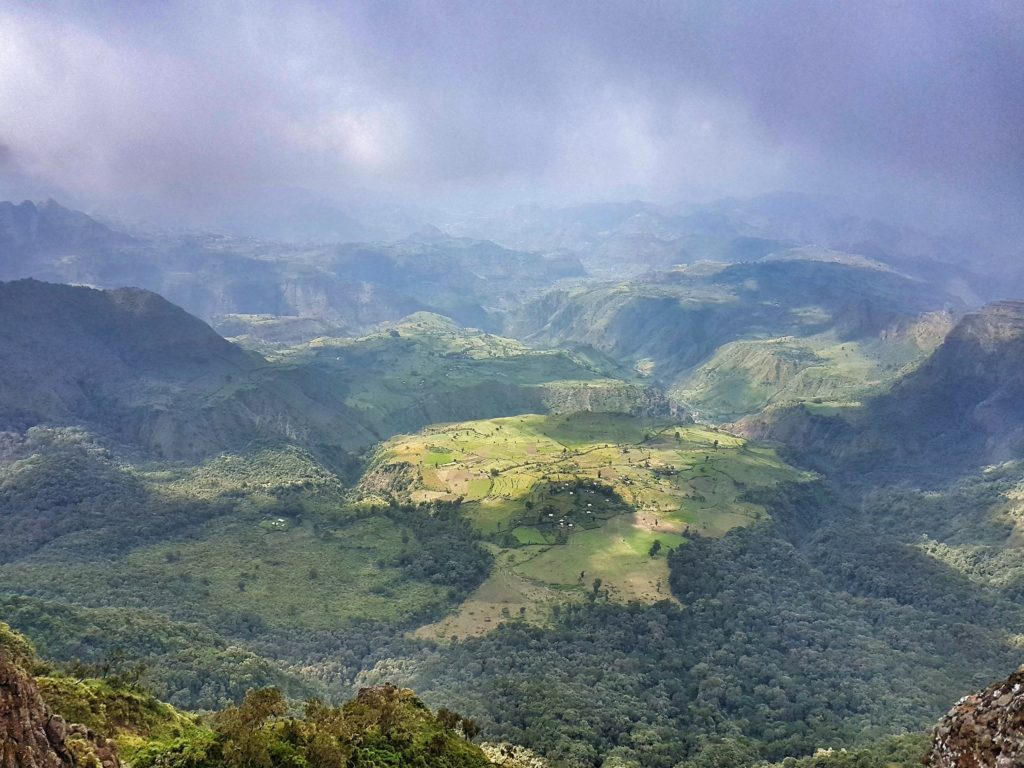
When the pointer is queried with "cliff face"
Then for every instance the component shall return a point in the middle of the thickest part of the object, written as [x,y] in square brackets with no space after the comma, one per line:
[985,730]
[960,410]
[31,736]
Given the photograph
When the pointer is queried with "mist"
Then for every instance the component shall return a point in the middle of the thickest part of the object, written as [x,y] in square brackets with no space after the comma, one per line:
[195,113]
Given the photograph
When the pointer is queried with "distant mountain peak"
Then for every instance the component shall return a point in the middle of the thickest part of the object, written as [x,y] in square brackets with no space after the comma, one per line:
[428,233]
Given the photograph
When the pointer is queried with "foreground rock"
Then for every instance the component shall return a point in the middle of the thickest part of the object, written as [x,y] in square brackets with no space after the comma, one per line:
[985,730]
[31,736]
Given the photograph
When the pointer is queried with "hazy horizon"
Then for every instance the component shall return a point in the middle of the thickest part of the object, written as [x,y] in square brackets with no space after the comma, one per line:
[191,114]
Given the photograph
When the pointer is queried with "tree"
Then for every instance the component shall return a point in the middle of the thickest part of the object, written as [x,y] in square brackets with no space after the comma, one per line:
[245,742]
[449,720]
[655,548]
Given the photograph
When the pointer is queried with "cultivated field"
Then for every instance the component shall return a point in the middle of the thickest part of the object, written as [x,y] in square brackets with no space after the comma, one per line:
[567,500]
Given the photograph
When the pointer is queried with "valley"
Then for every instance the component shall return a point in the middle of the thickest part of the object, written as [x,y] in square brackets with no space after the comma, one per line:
[669,493]
[446,384]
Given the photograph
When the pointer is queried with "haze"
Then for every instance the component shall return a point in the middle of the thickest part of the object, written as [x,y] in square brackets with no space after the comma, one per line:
[188,113]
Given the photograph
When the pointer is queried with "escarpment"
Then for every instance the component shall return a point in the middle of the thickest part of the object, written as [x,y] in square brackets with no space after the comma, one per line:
[32,736]
[984,730]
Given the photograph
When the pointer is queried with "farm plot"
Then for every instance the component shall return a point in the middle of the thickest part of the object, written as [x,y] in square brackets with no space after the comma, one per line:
[579,506]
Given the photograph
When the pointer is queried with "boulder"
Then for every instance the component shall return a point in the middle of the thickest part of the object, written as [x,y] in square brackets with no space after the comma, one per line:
[984,730]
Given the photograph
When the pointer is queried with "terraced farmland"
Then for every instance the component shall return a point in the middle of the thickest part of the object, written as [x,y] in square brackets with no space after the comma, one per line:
[579,506]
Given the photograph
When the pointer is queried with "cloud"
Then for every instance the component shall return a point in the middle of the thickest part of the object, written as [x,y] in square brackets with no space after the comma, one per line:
[181,107]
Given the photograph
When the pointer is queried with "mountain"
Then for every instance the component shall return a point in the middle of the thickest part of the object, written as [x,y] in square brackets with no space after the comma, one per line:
[960,410]
[349,286]
[128,364]
[845,326]
[28,229]
[971,389]
[616,240]
[146,373]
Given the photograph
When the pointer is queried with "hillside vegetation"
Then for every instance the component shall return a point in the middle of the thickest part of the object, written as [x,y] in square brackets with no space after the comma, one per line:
[584,506]
[729,339]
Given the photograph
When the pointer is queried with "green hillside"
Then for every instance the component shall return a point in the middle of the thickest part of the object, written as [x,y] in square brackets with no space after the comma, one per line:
[94,720]
[575,507]
[730,339]
[823,370]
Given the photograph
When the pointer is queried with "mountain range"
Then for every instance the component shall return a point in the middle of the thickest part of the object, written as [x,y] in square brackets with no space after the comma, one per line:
[640,486]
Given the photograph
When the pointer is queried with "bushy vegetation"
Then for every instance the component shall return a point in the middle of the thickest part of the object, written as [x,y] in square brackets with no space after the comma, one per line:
[174,566]
[906,751]
[183,663]
[776,645]
[383,726]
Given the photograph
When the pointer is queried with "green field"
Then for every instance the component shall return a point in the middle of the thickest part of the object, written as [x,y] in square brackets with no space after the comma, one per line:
[568,499]
[265,537]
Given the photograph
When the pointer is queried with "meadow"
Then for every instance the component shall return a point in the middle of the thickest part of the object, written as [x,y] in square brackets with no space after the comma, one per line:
[583,506]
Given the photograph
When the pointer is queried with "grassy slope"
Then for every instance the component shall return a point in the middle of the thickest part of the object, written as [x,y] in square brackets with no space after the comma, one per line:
[732,339]
[427,369]
[745,377]
[568,499]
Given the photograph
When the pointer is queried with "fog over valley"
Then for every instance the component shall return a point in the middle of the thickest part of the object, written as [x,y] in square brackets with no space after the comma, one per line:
[533,384]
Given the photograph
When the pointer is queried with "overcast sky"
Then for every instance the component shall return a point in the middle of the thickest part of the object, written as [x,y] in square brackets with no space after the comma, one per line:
[181,107]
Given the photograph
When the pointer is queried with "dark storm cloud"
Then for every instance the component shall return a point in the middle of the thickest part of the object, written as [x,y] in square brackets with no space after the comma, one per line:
[188,105]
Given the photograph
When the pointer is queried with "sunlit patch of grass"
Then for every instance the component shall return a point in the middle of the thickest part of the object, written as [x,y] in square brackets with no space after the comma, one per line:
[572,498]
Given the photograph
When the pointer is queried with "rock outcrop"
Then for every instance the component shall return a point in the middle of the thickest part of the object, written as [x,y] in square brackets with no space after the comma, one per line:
[985,730]
[31,736]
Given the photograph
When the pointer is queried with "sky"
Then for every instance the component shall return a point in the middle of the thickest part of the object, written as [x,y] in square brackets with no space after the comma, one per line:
[186,110]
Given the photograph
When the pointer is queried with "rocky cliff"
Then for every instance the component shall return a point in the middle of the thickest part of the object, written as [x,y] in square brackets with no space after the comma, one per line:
[985,730]
[31,736]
